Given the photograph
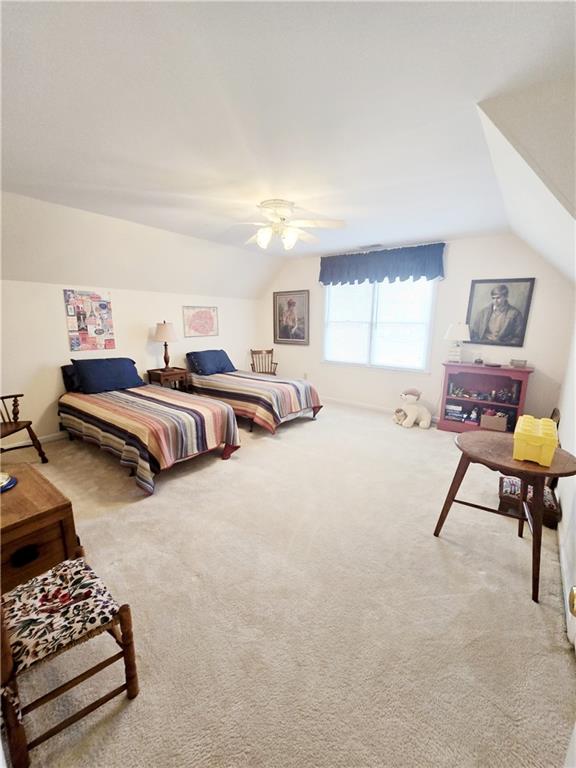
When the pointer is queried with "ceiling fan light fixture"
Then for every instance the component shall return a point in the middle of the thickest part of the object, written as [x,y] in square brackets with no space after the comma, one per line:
[263,237]
[289,238]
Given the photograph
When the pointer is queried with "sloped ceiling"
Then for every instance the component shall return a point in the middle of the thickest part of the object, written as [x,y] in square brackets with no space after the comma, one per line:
[183,116]
[531,137]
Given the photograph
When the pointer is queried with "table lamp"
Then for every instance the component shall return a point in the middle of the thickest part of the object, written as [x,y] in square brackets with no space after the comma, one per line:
[164,333]
[456,334]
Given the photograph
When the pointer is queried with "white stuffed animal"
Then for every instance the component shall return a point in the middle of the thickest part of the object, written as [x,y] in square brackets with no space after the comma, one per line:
[411,411]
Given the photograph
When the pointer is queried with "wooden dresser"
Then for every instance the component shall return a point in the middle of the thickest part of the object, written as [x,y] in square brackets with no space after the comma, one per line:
[37,526]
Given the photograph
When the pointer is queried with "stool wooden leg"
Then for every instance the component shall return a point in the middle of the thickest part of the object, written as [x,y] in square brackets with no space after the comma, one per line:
[455,485]
[15,735]
[129,652]
[537,510]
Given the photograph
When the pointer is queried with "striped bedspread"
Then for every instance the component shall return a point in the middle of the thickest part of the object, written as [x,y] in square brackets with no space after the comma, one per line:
[267,400]
[150,428]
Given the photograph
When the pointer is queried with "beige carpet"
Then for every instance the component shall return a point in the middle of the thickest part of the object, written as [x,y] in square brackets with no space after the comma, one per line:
[292,609]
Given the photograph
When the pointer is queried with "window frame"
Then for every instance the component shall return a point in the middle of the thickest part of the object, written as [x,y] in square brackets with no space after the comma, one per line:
[424,370]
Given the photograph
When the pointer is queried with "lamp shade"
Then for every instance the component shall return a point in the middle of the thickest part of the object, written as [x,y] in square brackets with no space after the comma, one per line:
[165,332]
[457,332]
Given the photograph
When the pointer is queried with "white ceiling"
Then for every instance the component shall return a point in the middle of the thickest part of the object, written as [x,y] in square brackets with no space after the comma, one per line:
[184,116]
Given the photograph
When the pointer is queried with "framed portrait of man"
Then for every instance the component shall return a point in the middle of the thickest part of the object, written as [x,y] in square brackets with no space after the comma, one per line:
[498,311]
[292,317]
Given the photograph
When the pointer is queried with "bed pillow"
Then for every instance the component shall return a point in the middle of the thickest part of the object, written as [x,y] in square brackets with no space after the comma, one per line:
[71,378]
[210,361]
[106,374]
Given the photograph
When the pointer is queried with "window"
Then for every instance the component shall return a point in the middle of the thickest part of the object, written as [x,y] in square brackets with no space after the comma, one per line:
[385,324]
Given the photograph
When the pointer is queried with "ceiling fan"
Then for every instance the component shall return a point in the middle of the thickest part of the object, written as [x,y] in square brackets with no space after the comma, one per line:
[280,223]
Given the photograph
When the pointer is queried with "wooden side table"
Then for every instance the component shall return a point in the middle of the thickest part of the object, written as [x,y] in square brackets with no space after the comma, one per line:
[168,377]
[494,450]
[38,529]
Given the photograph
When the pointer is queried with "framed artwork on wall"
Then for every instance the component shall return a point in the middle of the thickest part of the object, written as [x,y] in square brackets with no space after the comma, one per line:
[498,311]
[292,317]
[200,321]
[88,321]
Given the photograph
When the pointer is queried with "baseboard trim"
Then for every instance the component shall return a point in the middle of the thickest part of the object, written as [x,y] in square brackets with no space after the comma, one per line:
[566,587]
[365,406]
[43,439]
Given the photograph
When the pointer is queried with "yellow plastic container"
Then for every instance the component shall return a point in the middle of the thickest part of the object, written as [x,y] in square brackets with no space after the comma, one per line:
[535,440]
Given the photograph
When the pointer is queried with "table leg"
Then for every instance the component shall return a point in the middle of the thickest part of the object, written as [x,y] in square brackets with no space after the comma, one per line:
[455,485]
[537,510]
[523,494]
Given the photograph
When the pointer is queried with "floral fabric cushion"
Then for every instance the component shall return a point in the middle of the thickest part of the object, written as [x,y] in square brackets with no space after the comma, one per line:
[54,610]
[510,486]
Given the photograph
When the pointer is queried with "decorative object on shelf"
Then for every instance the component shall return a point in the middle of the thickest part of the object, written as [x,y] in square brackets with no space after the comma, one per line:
[411,412]
[456,334]
[89,320]
[498,311]
[478,361]
[280,223]
[291,317]
[518,363]
[164,333]
[200,321]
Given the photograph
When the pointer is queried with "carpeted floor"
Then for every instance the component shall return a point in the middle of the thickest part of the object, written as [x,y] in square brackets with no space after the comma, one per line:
[292,609]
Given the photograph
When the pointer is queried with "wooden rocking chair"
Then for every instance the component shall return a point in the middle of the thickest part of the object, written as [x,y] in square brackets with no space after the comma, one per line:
[11,424]
[263,362]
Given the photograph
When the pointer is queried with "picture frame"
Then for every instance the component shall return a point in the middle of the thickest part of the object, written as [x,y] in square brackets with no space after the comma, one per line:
[498,311]
[200,321]
[291,317]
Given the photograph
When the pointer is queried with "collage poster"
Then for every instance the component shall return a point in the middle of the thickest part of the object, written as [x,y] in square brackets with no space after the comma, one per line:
[89,320]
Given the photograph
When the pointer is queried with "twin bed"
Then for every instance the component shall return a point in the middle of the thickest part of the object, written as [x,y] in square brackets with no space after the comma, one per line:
[151,428]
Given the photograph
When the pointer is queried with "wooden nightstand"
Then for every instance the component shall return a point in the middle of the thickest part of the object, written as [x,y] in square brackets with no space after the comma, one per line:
[168,377]
[37,527]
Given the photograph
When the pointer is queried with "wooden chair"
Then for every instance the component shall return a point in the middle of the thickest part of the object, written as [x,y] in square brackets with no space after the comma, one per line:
[44,617]
[11,424]
[262,361]
[510,494]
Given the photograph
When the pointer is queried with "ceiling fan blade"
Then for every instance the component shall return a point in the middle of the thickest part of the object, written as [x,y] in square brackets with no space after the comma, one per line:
[250,224]
[306,237]
[271,216]
[318,223]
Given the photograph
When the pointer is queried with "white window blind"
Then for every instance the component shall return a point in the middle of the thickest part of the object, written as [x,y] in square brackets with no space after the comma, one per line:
[384,324]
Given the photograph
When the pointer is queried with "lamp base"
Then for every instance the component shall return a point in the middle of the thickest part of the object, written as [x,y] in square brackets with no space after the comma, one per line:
[166,357]
[455,353]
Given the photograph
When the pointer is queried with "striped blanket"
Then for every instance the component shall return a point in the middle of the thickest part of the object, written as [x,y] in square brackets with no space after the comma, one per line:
[266,400]
[150,428]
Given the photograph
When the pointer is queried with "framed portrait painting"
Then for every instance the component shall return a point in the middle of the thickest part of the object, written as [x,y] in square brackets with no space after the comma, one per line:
[200,321]
[292,317]
[498,311]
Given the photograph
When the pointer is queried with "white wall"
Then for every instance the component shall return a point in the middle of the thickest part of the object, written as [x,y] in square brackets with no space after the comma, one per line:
[49,243]
[35,343]
[500,256]
[567,489]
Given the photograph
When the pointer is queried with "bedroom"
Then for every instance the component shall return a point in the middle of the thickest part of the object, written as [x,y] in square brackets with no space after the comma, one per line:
[137,141]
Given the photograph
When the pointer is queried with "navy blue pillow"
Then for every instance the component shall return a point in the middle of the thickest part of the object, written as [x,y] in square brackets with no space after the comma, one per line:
[106,374]
[71,379]
[210,361]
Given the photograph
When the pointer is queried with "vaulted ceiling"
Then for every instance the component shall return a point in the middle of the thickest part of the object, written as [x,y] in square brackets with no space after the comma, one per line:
[184,116]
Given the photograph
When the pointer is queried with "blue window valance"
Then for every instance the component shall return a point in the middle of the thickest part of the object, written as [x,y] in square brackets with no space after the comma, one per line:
[376,266]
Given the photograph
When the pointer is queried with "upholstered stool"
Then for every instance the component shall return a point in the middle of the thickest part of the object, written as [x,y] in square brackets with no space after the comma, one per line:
[510,496]
[45,617]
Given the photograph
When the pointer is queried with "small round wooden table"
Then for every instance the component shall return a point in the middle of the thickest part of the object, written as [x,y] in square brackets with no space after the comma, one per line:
[494,450]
